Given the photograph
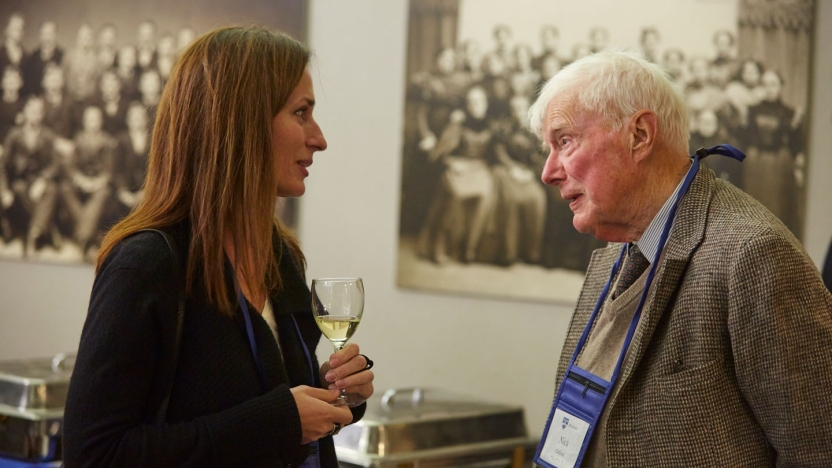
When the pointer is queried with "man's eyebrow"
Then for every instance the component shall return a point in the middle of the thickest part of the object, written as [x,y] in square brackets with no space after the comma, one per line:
[555,129]
[560,127]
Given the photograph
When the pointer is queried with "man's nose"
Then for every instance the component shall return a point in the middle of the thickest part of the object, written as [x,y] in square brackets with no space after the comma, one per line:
[552,171]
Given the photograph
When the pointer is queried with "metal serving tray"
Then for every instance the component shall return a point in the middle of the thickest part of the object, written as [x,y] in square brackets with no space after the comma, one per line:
[32,399]
[430,428]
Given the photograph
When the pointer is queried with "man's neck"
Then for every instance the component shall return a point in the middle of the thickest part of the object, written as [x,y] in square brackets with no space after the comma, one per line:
[649,237]
[658,186]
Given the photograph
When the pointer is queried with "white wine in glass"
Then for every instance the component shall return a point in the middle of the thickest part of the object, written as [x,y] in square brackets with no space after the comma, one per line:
[337,304]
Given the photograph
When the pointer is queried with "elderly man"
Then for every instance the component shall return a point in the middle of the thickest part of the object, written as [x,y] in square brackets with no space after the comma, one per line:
[703,333]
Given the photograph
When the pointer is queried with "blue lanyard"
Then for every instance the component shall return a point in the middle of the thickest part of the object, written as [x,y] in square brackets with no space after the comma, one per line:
[261,372]
[253,342]
[724,150]
[651,275]
[567,443]
[313,460]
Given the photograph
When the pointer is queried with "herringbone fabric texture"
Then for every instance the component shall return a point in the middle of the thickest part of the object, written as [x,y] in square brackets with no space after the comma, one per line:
[633,269]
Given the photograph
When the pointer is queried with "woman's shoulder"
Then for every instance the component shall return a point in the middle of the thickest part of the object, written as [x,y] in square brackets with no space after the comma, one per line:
[146,252]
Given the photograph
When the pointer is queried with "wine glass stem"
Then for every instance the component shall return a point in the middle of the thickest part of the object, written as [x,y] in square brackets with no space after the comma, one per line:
[342,397]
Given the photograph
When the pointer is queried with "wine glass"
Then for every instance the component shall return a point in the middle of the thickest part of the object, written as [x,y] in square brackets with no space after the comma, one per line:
[337,304]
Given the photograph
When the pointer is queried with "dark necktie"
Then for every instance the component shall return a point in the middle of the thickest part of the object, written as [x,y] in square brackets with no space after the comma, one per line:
[633,268]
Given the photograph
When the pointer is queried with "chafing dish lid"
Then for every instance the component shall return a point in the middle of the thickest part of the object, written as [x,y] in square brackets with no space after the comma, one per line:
[35,384]
[416,419]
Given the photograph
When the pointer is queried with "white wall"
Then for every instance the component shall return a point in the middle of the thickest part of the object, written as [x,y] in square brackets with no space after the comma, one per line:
[819,197]
[502,351]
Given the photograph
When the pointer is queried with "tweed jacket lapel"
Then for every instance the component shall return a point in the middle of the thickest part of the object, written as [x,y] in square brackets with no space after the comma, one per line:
[596,277]
[686,235]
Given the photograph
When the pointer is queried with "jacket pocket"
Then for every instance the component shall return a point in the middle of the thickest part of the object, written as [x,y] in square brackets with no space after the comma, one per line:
[699,418]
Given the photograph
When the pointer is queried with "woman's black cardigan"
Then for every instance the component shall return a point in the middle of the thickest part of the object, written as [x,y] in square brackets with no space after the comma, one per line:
[219,413]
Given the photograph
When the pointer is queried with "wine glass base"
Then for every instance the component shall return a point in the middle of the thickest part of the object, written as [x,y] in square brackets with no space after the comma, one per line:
[350,400]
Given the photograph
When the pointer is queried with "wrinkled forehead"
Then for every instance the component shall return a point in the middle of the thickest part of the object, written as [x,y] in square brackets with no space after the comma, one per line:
[560,113]
[566,112]
[563,111]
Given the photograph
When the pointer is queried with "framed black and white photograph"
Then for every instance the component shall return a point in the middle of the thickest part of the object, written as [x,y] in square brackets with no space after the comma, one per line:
[81,80]
[475,217]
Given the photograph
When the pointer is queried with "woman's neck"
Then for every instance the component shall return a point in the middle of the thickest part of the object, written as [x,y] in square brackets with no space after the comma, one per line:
[252,294]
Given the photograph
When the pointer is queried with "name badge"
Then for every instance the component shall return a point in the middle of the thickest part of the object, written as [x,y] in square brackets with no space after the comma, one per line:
[564,440]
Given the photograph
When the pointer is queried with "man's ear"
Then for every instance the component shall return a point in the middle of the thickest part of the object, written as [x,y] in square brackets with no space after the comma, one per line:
[643,129]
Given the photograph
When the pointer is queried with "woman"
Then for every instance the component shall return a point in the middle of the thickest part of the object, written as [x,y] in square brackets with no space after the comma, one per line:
[463,201]
[524,78]
[128,72]
[59,110]
[520,208]
[438,93]
[775,152]
[86,189]
[11,103]
[745,90]
[11,51]
[81,64]
[129,170]
[47,53]
[234,131]
[112,103]
[27,178]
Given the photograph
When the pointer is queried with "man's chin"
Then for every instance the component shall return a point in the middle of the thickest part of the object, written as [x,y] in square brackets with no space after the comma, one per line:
[581,226]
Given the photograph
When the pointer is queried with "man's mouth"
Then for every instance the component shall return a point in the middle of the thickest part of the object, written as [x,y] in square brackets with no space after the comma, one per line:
[573,199]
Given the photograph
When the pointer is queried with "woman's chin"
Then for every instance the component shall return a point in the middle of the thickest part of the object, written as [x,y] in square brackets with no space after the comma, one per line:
[291,193]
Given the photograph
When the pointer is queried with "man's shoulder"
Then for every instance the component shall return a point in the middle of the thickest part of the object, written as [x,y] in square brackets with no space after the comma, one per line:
[733,214]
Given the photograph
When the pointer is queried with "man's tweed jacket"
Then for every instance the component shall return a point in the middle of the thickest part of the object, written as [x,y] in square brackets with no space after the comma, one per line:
[732,364]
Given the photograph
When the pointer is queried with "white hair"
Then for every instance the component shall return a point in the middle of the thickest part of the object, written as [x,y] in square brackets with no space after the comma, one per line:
[616,84]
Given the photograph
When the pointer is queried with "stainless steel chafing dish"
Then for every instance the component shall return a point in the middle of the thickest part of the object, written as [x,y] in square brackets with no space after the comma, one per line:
[32,398]
[430,428]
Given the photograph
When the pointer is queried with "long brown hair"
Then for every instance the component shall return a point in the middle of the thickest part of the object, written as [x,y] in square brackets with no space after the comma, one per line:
[211,157]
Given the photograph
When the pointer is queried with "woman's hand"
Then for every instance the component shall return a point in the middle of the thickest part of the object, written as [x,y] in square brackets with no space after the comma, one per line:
[347,370]
[317,415]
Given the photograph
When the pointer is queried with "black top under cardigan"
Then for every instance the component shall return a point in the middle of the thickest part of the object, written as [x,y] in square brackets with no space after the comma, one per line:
[219,413]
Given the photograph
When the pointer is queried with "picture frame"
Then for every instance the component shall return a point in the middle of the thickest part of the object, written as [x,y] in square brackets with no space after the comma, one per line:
[475,219]
[81,81]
